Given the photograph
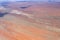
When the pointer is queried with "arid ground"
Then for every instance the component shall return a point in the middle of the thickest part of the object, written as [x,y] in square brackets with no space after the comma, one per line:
[30,21]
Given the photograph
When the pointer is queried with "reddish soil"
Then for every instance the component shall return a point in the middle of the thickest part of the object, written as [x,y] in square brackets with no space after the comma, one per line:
[43,24]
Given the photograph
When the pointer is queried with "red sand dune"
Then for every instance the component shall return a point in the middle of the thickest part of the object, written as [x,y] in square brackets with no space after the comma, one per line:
[44,23]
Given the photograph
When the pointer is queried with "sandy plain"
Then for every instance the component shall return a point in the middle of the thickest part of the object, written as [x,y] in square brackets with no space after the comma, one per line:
[30,21]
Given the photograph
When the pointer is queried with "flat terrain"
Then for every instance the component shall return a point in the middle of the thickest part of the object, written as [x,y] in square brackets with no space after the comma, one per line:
[30,21]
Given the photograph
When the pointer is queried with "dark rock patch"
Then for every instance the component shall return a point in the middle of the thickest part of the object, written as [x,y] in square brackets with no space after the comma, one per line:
[2,14]
[24,7]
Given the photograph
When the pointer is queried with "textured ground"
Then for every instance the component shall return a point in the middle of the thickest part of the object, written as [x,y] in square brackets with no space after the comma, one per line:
[30,21]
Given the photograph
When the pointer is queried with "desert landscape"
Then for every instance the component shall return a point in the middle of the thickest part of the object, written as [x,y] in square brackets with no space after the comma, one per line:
[30,21]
